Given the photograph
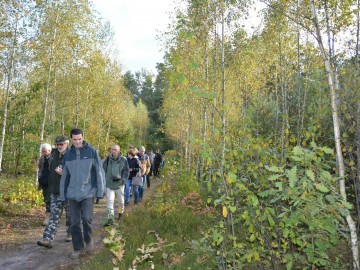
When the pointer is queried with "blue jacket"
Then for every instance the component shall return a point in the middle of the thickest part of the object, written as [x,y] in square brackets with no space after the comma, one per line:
[83,175]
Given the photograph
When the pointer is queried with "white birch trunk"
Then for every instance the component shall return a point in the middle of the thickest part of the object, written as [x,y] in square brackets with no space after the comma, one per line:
[222,169]
[337,135]
[6,101]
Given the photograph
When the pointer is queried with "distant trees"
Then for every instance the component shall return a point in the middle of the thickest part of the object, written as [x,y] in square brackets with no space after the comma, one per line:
[147,92]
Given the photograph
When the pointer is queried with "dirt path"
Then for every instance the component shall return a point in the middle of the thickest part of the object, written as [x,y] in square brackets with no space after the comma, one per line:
[18,248]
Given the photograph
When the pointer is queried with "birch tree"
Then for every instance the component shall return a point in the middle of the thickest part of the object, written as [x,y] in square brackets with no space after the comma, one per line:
[329,63]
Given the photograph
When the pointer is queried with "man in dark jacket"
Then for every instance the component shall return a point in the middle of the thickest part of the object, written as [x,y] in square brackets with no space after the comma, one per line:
[82,179]
[55,165]
[43,170]
[157,162]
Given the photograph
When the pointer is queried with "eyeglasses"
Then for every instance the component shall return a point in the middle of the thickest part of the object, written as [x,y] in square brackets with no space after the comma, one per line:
[59,144]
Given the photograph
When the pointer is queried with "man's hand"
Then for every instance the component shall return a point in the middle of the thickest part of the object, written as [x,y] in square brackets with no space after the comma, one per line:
[58,170]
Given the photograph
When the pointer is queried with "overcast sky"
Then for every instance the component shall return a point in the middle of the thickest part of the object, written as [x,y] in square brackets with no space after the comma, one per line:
[136,24]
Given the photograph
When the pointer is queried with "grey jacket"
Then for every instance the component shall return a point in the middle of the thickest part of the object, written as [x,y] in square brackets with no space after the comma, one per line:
[83,175]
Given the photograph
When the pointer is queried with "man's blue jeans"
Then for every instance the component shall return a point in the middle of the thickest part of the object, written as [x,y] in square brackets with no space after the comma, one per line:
[127,191]
[142,189]
[81,211]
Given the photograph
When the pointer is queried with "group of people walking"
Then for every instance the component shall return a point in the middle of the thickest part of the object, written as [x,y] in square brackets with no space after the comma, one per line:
[71,178]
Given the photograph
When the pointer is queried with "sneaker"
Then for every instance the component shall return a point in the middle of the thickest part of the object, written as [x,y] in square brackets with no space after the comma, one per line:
[45,243]
[126,203]
[77,254]
[68,237]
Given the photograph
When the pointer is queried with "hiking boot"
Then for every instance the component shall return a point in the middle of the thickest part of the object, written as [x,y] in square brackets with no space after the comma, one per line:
[90,248]
[77,254]
[46,219]
[126,203]
[45,243]
[108,222]
[120,216]
[68,237]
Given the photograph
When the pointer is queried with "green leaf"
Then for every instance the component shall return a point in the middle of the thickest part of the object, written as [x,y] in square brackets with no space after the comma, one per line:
[310,174]
[327,150]
[255,200]
[274,177]
[347,205]
[298,151]
[325,175]
[275,169]
[271,221]
[231,177]
[279,185]
[291,174]
[322,188]
[252,238]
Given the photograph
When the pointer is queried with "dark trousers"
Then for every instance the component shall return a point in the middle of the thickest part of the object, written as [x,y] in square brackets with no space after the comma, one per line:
[47,199]
[81,212]
[156,170]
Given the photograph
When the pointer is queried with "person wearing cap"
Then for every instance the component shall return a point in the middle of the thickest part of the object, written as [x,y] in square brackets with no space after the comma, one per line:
[57,207]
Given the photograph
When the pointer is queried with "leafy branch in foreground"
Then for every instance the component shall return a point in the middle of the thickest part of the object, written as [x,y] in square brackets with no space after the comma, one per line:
[116,243]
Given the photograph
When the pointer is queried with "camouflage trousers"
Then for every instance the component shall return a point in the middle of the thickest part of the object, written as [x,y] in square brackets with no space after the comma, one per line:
[57,208]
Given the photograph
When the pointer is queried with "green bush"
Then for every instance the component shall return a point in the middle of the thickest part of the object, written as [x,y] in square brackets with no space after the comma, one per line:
[18,194]
[284,216]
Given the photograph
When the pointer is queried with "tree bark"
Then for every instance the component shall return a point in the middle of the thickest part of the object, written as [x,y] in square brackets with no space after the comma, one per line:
[8,85]
[337,135]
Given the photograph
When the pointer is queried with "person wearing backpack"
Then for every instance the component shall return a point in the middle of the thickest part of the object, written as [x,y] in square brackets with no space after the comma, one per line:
[116,170]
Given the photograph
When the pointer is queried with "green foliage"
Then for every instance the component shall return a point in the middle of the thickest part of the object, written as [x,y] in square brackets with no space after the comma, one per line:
[287,215]
[18,194]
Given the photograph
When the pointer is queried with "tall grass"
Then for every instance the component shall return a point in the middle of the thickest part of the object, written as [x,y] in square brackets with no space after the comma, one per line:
[162,233]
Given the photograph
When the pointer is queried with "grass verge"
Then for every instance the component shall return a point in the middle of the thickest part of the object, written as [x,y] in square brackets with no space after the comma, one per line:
[162,233]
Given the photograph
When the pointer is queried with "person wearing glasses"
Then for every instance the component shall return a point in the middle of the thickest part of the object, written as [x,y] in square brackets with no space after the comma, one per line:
[57,207]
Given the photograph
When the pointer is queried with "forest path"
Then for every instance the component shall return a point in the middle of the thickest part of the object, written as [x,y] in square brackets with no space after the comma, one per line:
[18,248]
